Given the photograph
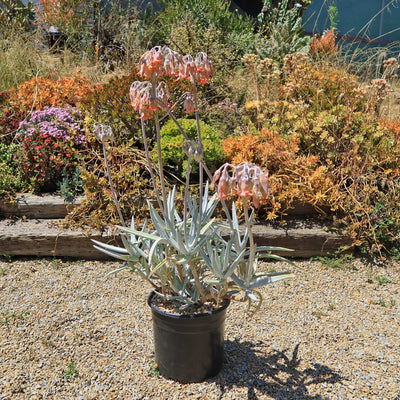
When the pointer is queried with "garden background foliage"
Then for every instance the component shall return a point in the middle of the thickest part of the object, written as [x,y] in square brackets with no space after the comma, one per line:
[282,100]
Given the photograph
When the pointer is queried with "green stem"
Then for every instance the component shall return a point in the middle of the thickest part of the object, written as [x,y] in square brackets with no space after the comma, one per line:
[186,194]
[197,280]
[172,116]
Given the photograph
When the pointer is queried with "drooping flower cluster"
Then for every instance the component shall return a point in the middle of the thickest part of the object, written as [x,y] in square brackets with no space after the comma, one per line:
[199,68]
[161,60]
[245,180]
[144,100]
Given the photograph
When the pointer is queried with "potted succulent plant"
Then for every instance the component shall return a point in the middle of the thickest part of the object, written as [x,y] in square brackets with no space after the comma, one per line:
[194,263]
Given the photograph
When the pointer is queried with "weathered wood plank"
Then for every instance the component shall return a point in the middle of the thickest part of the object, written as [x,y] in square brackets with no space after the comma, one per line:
[308,238]
[33,206]
[38,238]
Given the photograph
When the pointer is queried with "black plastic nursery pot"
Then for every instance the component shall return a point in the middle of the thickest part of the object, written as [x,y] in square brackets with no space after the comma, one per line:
[188,348]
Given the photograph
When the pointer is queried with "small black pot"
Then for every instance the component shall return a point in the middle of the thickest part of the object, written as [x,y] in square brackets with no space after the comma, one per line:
[55,39]
[188,348]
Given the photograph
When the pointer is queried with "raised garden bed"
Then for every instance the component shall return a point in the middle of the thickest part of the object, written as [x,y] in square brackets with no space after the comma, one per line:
[28,227]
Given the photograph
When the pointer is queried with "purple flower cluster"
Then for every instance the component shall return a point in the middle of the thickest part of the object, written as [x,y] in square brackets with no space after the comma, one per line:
[61,123]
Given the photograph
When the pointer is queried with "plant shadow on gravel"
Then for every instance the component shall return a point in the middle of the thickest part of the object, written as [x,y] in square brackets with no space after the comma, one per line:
[274,374]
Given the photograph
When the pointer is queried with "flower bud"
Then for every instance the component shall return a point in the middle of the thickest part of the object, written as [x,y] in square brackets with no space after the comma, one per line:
[188,104]
[224,186]
[103,133]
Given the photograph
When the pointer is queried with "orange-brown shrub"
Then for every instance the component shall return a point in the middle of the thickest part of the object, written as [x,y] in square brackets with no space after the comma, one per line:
[38,93]
[61,13]
[294,178]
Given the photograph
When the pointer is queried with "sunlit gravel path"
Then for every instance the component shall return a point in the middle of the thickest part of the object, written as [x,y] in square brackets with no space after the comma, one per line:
[68,333]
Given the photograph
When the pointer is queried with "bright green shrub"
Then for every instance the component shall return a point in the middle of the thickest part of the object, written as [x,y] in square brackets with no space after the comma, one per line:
[172,141]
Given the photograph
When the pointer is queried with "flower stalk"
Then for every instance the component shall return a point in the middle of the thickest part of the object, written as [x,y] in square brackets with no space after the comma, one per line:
[104,133]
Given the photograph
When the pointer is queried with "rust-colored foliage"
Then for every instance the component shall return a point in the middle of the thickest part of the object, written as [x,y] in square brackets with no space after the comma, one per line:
[294,178]
[61,13]
[38,93]
[321,137]
[325,45]
[73,18]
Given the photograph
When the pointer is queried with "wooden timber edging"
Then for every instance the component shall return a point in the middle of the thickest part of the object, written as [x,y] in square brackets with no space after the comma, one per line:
[39,235]
[42,237]
[33,206]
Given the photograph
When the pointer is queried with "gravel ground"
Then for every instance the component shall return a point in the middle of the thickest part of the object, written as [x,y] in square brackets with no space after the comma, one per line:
[68,333]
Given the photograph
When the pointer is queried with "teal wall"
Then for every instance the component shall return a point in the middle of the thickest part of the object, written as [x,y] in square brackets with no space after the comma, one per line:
[354,18]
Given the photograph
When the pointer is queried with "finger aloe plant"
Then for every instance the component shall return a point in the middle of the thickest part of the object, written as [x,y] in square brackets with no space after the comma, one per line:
[187,257]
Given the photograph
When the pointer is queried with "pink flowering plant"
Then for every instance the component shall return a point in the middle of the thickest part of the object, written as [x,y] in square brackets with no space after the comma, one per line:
[189,258]
[52,142]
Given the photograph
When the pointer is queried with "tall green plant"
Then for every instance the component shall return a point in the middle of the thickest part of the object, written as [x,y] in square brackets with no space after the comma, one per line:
[281,29]
[205,13]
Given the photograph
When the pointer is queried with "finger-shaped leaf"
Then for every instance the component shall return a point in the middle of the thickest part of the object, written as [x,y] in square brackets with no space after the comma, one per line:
[158,266]
[116,270]
[112,253]
[145,235]
[155,246]
[110,247]
[272,248]
[229,271]
[270,279]
[134,249]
